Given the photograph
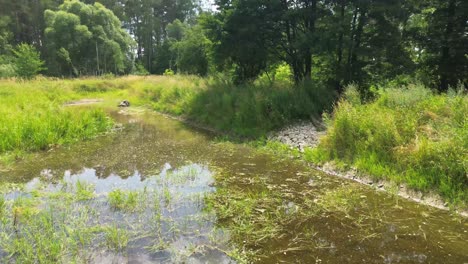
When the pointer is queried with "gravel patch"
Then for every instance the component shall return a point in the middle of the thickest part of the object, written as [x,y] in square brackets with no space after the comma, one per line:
[299,135]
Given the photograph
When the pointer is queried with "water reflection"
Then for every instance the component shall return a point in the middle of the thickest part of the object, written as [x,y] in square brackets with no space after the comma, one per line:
[169,170]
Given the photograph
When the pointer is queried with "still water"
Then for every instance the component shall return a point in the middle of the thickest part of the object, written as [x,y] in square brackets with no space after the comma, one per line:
[169,170]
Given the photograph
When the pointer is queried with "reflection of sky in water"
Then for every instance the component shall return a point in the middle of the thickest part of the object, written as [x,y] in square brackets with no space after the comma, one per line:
[186,180]
[187,186]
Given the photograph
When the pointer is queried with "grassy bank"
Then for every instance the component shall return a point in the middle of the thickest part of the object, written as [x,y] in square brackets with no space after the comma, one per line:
[33,116]
[250,110]
[406,135]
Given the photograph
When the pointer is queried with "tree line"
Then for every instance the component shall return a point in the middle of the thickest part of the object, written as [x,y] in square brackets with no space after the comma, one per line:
[334,42]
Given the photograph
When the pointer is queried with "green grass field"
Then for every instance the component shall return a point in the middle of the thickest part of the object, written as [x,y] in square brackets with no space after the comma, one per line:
[33,115]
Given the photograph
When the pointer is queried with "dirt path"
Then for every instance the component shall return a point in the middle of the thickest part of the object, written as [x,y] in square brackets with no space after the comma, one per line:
[84,102]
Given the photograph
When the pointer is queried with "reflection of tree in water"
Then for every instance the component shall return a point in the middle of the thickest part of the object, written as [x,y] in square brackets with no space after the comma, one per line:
[143,146]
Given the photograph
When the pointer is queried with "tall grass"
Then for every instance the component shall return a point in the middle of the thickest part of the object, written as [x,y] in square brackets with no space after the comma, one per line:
[33,116]
[407,135]
[249,110]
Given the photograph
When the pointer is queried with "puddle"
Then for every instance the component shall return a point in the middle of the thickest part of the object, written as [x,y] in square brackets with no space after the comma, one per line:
[160,192]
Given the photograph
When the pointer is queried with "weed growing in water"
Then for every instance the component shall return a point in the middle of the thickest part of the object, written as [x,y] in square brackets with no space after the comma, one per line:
[167,196]
[123,200]
[116,238]
[344,199]
[2,206]
[84,191]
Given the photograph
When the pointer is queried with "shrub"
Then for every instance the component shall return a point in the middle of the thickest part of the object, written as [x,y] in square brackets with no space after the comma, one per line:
[140,70]
[7,70]
[168,72]
[27,61]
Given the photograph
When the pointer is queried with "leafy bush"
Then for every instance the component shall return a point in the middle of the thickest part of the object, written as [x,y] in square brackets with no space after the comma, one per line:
[27,61]
[407,135]
[7,70]
[140,70]
[168,72]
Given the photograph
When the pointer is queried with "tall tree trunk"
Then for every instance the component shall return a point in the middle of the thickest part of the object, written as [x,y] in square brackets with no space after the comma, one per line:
[357,44]
[444,67]
[351,45]
[311,30]
[339,67]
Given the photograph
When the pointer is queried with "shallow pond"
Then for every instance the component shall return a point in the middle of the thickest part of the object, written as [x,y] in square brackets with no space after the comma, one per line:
[161,192]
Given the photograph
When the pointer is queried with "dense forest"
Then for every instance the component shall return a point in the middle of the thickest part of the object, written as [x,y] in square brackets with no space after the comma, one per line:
[333,42]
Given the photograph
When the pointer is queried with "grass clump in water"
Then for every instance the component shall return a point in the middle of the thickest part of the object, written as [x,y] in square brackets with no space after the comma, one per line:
[407,135]
[116,238]
[84,191]
[344,199]
[123,200]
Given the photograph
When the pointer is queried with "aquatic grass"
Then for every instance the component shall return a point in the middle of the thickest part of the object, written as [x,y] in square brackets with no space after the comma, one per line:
[84,191]
[47,231]
[116,238]
[56,226]
[167,196]
[24,209]
[343,199]
[124,200]
[258,215]
[2,206]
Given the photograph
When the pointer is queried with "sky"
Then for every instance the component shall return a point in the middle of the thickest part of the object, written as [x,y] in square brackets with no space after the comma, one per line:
[209,5]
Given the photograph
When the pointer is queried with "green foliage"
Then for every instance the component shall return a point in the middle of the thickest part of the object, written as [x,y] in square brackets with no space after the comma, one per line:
[190,46]
[249,110]
[123,200]
[343,199]
[140,70]
[116,238]
[86,39]
[168,72]
[407,135]
[7,70]
[33,117]
[27,61]
[84,191]
[283,73]
[438,32]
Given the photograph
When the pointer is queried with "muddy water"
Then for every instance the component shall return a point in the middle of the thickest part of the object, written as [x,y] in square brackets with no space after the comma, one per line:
[310,218]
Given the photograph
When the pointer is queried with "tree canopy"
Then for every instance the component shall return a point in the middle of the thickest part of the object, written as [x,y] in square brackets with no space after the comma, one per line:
[86,39]
[334,42]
